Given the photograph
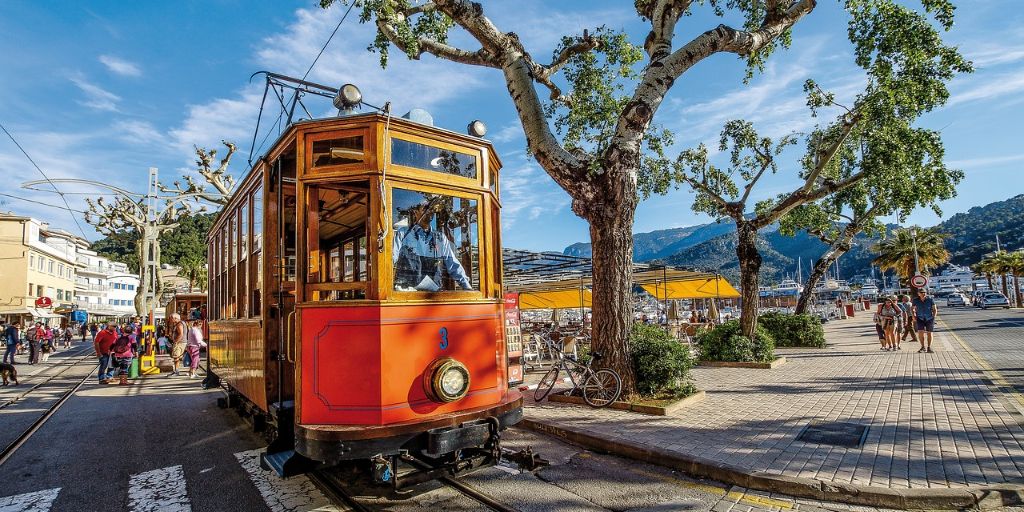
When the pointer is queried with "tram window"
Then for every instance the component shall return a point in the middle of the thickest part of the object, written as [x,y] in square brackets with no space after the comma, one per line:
[339,215]
[340,151]
[256,261]
[257,219]
[289,234]
[422,156]
[243,262]
[435,245]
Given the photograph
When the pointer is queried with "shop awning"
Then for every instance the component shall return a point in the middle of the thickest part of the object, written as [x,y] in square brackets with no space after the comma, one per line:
[15,311]
[44,313]
[715,287]
[555,299]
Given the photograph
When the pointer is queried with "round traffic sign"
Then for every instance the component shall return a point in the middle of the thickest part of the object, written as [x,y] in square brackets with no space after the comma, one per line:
[44,302]
[919,281]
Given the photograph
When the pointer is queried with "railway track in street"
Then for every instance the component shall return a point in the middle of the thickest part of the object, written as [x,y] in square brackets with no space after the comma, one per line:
[75,384]
[336,489]
[65,365]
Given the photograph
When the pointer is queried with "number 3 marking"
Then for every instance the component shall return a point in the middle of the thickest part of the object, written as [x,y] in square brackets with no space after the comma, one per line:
[444,338]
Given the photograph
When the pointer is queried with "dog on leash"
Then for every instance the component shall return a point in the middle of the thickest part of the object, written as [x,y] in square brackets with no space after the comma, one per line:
[9,373]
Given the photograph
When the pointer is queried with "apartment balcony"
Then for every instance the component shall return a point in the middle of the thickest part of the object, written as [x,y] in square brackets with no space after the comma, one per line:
[93,269]
[94,288]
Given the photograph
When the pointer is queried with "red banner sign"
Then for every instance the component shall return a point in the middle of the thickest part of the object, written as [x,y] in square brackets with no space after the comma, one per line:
[44,302]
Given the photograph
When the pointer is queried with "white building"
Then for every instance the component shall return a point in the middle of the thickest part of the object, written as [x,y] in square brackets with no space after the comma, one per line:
[104,287]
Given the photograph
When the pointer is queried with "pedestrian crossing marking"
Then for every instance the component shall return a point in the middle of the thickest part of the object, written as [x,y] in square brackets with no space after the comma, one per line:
[295,494]
[159,490]
[38,501]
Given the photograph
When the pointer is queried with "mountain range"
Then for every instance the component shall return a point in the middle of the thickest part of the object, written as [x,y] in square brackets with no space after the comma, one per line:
[712,246]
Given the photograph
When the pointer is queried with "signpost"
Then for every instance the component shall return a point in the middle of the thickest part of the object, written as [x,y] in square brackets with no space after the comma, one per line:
[919,281]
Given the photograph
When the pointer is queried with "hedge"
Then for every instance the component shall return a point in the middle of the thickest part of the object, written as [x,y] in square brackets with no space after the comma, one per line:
[726,343]
[793,330]
[662,364]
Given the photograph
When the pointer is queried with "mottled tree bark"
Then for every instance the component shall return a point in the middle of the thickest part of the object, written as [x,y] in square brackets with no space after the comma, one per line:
[750,270]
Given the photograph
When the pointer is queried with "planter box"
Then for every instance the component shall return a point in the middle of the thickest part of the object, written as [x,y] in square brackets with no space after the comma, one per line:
[779,361]
[653,407]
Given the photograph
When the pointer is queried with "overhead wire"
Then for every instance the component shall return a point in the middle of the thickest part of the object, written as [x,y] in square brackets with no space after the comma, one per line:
[350,6]
[47,178]
[42,203]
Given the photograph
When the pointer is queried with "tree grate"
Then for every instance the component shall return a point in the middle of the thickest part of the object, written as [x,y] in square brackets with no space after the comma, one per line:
[850,435]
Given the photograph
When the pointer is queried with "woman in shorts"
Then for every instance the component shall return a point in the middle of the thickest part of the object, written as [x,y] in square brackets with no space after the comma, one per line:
[890,314]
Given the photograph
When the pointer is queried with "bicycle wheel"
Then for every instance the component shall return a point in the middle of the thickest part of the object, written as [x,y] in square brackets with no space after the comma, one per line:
[547,383]
[602,387]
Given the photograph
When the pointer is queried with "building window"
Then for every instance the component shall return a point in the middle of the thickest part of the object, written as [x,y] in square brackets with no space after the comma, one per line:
[60,269]
[39,290]
[30,289]
[131,287]
[60,294]
[131,302]
[31,260]
[41,263]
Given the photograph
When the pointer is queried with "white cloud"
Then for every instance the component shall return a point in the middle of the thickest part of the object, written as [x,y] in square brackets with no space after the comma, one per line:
[509,133]
[990,161]
[97,97]
[527,193]
[138,131]
[120,66]
[988,87]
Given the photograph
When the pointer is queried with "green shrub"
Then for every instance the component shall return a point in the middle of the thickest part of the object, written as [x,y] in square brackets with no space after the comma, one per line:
[661,363]
[726,343]
[793,330]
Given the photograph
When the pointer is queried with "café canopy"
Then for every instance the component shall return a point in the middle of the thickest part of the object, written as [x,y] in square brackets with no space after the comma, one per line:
[551,280]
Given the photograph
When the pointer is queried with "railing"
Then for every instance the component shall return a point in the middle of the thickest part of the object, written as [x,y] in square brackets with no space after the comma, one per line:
[91,287]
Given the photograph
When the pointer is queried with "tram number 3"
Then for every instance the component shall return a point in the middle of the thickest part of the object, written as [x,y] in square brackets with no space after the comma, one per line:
[444,338]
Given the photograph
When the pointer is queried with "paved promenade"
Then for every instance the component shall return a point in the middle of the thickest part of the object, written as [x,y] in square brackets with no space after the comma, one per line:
[934,421]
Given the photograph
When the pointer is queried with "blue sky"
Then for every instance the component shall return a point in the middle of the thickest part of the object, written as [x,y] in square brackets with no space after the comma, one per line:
[105,90]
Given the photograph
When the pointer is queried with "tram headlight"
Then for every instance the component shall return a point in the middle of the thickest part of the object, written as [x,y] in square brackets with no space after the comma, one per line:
[348,97]
[447,380]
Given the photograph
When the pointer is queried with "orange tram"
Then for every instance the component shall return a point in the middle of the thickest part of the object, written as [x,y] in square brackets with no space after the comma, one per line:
[355,299]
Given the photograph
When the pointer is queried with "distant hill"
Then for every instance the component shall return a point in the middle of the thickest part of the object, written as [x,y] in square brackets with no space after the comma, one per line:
[713,246]
[973,233]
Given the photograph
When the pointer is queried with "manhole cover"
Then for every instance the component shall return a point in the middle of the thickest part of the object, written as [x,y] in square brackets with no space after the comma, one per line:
[850,435]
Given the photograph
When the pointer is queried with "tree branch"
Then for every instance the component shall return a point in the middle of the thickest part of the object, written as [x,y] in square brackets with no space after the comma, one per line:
[703,187]
[437,49]
[823,158]
[750,186]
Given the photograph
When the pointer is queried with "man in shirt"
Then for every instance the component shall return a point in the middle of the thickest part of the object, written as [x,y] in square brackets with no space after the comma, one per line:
[104,340]
[11,339]
[419,253]
[924,319]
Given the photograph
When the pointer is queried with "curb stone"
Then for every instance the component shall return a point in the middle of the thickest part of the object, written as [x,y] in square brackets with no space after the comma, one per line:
[981,497]
[777,362]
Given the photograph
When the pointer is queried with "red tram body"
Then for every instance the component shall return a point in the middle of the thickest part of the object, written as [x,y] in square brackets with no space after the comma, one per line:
[355,303]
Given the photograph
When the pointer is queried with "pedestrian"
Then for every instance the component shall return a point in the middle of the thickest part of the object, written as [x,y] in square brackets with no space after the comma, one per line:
[178,342]
[93,330]
[924,319]
[890,314]
[908,318]
[69,333]
[161,344]
[35,336]
[46,346]
[877,319]
[12,340]
[122,352]
[195,343]
[102,343]
[83,330]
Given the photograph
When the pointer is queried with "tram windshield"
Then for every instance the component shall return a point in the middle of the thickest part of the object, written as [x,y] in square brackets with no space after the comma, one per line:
[435,245]
[337,243]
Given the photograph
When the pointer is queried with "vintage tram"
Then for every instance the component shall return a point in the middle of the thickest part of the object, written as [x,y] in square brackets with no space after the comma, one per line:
[355,298]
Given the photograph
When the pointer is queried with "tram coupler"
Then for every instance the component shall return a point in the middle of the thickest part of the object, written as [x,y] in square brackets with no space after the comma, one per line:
[527,459]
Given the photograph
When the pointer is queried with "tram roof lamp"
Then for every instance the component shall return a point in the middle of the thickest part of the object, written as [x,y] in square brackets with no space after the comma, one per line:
[348,97]
[477,128]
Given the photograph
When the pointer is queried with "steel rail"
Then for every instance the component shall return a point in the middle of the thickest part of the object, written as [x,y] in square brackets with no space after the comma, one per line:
[14,400]
[335,491]
[36,425]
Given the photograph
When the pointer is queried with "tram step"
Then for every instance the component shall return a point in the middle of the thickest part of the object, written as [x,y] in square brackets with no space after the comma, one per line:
[286,463]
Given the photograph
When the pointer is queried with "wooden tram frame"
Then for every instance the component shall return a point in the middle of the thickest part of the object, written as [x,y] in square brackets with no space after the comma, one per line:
[256,314]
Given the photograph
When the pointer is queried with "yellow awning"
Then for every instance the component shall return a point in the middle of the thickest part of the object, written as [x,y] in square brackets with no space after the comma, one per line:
[555,299]
[702,288]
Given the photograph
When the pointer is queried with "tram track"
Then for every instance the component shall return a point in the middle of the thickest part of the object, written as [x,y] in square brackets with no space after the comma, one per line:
[87,351]
[337,491]
[22,438]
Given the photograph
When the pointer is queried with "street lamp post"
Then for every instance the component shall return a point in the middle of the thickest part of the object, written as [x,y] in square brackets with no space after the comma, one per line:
[913,237]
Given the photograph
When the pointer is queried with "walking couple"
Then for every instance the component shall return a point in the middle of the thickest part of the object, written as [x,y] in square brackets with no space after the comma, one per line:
[185,339]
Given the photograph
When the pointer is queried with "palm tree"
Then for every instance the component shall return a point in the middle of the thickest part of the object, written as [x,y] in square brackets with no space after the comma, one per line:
[897,252]
[981,267]
[999,262]
[1016,266]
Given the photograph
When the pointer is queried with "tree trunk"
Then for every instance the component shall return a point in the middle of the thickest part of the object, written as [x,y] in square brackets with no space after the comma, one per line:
[1006,292]
[750,268]
[1016,288]
[820,267]
[611,236]
[988,277]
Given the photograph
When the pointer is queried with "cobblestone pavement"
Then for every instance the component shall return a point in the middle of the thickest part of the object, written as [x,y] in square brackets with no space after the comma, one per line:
[934,419]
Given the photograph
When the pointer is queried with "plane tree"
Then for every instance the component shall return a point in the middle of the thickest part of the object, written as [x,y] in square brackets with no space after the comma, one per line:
[588,111]
[907,68]
[903,174]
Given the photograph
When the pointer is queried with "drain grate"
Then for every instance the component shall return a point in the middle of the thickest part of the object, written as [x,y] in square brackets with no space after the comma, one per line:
[850,435]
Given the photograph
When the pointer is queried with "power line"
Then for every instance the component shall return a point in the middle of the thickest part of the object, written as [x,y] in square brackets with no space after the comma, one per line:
[55,189]
[350,6]
[42,203]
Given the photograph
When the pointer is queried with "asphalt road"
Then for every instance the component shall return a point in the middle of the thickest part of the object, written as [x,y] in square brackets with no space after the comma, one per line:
[994,335]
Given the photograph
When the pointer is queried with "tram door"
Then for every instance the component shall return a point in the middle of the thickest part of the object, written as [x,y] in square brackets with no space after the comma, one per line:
[280,298]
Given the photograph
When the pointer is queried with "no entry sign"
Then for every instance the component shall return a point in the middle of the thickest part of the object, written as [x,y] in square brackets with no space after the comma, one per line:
[919,281]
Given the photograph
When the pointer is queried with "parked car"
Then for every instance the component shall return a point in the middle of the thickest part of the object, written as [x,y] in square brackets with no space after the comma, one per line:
[994,300]
[956,299]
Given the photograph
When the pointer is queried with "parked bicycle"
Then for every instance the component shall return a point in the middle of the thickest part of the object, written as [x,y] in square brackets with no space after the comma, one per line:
[599,387]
